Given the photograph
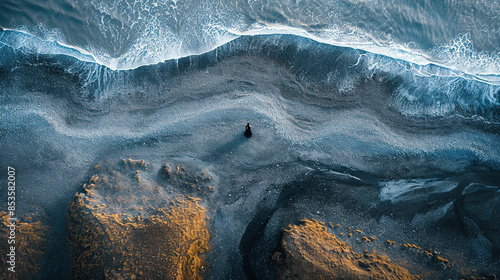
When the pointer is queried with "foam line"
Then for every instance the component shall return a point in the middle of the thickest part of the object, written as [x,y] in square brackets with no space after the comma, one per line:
[469,65]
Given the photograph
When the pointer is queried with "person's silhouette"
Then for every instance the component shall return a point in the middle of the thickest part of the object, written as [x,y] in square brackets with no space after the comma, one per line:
[248,131]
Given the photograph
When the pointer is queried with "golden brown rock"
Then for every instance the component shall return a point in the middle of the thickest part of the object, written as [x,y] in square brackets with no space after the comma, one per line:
[308,251]
[124,228]
[30,244]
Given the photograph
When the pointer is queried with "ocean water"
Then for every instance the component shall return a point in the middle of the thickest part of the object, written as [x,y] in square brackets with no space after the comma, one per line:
[398,99]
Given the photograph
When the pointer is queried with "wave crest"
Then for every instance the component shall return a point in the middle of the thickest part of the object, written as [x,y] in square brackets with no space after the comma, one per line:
[457,58]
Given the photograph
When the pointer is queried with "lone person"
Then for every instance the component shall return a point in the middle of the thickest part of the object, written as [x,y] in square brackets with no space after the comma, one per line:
[248,131]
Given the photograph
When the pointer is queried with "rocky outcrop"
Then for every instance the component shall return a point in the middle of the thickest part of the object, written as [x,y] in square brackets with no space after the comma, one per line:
[482,204]
[124,226]
[30,242]
[308,251]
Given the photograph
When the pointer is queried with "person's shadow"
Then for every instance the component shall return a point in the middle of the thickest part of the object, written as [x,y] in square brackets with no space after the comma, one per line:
[229,147]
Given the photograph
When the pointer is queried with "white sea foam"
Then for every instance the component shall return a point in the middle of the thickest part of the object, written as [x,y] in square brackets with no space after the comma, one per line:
[457,58]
